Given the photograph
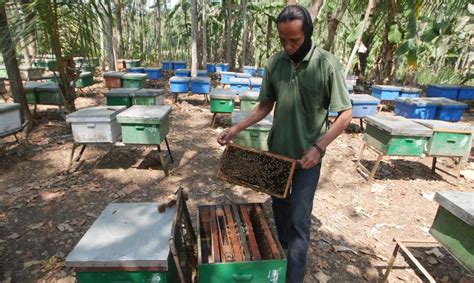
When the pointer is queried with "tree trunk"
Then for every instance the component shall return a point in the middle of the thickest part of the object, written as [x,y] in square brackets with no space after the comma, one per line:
[194,59]
[315,8]
[141,28]
[228,31]
[102,43]
[158,29]
[368,39]
[108,33]
[118,43]
[383,72]
[7,47]
[244,35]
[204,34]
[333,23]
[269,37]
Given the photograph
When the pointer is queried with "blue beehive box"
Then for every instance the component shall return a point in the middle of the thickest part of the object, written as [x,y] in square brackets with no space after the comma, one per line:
[201,73]
[255,84]
[182,73]
[239,84]
[222,67]
[261,72]
[466,92]
[226,76]
[350,88]
[136,70]
[448,110]
[416,108]
[179,65]
[410,92]
[200,85]
[167,65]
[179,84]
[447,91]
[363,105]
[211,67]
[243,75]
[250,70]
[153,73]
[386,92]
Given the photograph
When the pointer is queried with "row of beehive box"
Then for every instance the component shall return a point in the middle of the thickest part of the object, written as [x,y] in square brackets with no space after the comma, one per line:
[435,108]
[212,68]
[390,93]
[135,96]
[113,79]
[134,242]
[139,124]
[202,85]
[399,136]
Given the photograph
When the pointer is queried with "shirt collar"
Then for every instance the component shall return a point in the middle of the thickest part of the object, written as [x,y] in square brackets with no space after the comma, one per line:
[306,58]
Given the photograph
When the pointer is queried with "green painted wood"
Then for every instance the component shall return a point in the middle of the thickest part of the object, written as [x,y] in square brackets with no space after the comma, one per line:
[31,96]
[85,81]
[50,98]
[455,235]
[133,83]
[449,144]
[253,138]
[248,105]
[143,100]
[135,133]
[394,145]
[222,106]
[119,101]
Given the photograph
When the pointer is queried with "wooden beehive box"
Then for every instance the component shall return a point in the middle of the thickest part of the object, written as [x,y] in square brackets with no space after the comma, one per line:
[262,171]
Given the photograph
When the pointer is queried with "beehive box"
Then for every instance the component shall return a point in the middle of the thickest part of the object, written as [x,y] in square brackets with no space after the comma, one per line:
[10,120]
[167,65]
[134,80]
[453,225]
[132,63]
[222,100]
[145,124]
[148,96]
[448,139]
[256,84]
[201,73]
[182,72]
[200,85]
[466,92]
[226,76]
[153,73]
[87,68]
[239,84]
[417,108]
[448,110]
[85,79]
[254,136]
[211,67]
[52,77]
[236,244]
[363,105]
[248,100]
[179,65]
[259,170]
[395,135]
[386,92]
[120,96]
[179,84]
[439,90]
[261,72]
[222,67]
[350,88]
[250,70]
[30,73]
[31,93]
[410,92]
[95,124]
[136,70]
[243,75]
[133,242]
[113,79]
[50,94]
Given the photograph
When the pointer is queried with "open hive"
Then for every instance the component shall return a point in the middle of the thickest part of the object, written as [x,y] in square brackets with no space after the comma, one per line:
[262,171]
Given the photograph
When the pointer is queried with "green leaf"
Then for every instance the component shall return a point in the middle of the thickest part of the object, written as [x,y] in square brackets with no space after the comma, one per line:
[429,35]
[355,33]
[394,34]
[404,48]
[412,58]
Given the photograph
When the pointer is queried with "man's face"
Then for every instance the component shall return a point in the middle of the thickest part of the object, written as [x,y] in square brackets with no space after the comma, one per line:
[291,35]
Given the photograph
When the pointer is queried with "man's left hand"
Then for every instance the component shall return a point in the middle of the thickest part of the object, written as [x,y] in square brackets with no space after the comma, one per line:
[310,158]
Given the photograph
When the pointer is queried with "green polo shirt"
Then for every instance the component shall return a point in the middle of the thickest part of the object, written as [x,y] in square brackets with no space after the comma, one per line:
[303,94]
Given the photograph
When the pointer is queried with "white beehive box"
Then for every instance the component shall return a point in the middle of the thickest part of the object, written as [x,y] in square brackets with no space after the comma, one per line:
[95,124]
[10,120]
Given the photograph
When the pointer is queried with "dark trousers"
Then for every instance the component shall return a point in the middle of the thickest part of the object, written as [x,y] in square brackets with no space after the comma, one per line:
[293,220]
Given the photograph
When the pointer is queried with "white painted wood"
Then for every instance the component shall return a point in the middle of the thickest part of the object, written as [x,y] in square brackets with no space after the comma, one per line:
[10,120]
[461,204]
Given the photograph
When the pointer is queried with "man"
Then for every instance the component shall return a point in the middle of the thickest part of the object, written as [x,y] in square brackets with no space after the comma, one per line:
[303,82]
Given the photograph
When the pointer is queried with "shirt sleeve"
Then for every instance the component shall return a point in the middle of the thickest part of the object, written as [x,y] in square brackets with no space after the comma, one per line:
[340,99]
[267,90]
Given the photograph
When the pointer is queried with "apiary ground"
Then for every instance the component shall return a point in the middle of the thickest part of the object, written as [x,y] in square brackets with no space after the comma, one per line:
[44,211]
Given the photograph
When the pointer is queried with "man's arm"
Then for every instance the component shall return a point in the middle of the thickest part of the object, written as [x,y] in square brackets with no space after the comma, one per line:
[257,114]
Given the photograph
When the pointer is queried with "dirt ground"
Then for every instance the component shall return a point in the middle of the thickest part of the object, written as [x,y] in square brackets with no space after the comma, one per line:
[44,211]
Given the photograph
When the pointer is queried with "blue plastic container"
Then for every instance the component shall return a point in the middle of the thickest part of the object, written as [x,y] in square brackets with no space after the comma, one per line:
[200,85]
[136,70]
[350,88]
[167,65]
[447,91]
[226,76]
[261,72]
[255,84]
[386,92]
[363,105]
[417,108]
[222,67]
[466,92]
[182,73]
[179,65]
[153,73]
[449,110]
[211,67]
[239,84]
[410,92]
[250,70]
[179,84]
[201,73]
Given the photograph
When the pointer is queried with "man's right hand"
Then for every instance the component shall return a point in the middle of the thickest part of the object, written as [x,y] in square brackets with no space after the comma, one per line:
[227,135]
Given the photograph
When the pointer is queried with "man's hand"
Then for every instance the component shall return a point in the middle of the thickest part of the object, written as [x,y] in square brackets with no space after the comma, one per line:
[310,158]
[227,135]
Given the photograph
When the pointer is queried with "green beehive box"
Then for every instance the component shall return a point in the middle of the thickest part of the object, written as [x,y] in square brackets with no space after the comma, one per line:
[52,77]
[120,96]
[148,96]
[248,100]
[222,100]
[448,139]
[254,136]
[145,124]
[395,135]
[453,225]
[132,63]
[31,93]
[134,80]
[87,68]
[85,79]
[50,94]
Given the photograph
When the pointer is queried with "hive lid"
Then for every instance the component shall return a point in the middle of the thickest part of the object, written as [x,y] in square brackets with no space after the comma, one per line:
[5,107]
[249,67]
[126,235]
[363,99]
[444,126]
[460,204]
[179,79]
[33,85]
[153,69]
[411,89]
[242,75]
[445,86]
[399,126]
[144,114]
[183,71]
[49,87]
[132,60]
[244,81]
[210,64]
[136,68]
[249,95]
[134,76]
[147,92]
[223,64]
[201,79]
[469,87]
[223,93]
[202,72]
[120,92]
[48,75]
[95,114]
[180,62]
[114,74]
[255,81]
[232,74]
[387,87]
[85,74]
[446,102]
[264,124]
[417,101]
